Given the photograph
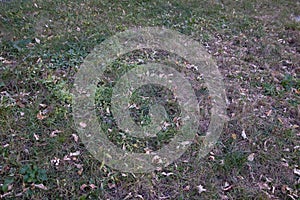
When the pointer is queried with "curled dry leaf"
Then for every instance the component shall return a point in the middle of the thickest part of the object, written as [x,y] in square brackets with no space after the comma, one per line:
[79,172]
[244,136]
[76,153]
[83,186]
[167,174]
[66,158]
[6,145]
[227,186]
[92,186]
[40,116]
[36,136]
[75,137]
[54,133]
[297,171]
[40,186]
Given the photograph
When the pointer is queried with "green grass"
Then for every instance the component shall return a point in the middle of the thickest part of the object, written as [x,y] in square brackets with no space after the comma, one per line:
[43,44]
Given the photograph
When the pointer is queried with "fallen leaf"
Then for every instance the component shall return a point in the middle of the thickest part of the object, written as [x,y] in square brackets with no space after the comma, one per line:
[201,189]
[227,186]
[9,187]
[41,186]
[139,196]
[93,186]
[244,136]
[37,40]
[75,137]
[269,113]
[79,172]
[82,124]
[43,105]
[251,157]
[297,171]
[76,153]
[83,186]
[40,116]
[53,133]
[167,174]
[36,136]
[66,158]
[111,185]
[233,136]
[295,126]
[55,161]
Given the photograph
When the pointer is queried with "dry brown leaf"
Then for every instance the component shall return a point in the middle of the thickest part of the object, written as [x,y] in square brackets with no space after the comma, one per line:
[79,172]
[83,186]
[233,136]
[66,158]
[40,116]
[41,186]
[54,133]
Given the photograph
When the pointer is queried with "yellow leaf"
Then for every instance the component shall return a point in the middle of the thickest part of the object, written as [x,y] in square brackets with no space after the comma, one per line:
[233,136]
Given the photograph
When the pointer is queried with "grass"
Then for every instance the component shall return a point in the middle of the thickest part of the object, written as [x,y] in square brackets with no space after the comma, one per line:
[43,44]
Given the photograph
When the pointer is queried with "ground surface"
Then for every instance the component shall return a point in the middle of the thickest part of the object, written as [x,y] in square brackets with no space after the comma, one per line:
[256,45]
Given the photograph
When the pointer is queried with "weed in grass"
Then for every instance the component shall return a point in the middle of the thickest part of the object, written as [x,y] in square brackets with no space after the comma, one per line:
[33,174]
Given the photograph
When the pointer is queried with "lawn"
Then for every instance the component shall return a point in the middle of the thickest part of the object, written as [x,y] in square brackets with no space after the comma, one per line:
[256,45]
